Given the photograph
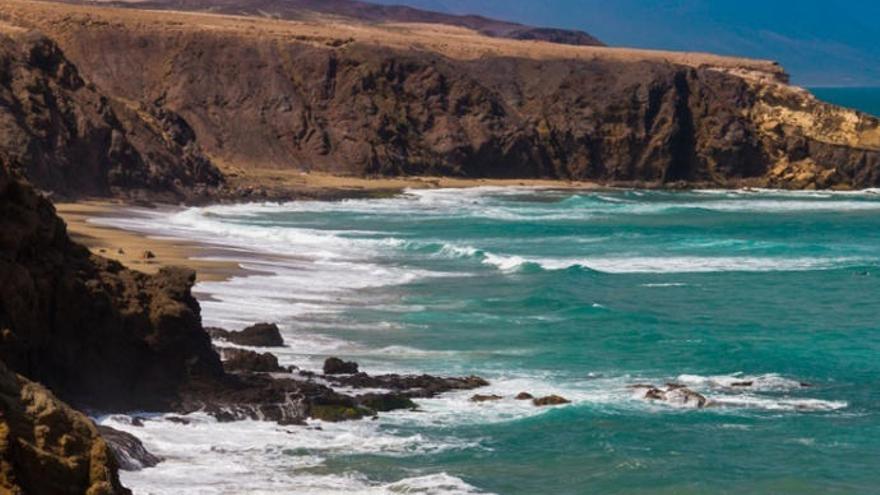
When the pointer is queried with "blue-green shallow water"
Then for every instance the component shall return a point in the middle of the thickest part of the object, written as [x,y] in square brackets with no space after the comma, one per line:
[865,99]
[582,294]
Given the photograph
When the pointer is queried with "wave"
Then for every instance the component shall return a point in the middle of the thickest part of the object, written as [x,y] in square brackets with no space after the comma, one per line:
[256,457]
[667,264]
[769,382]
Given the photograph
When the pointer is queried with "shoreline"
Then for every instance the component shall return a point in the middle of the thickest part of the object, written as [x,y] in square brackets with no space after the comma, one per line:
[130,247]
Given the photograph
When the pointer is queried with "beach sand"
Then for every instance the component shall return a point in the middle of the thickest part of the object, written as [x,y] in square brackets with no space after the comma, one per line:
[317,184]
[129,247]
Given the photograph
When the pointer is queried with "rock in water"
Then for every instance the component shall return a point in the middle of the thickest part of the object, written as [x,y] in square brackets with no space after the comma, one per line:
[485,398]
[386,402]
[47,447]
[246,360]
[336,366]
[524,396]
[686,397]
[550,400]
[258,335]
[130,453]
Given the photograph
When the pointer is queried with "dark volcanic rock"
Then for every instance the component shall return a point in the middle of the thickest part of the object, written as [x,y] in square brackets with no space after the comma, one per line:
[130,453]
[93,332]
[245,360]
[676,394]
[414,385]
[68,137]
[47,447]
[386,402]
[282,400]
[336,366]
[485,398]
[362,109]
[550,400]
[258,335]
[524,396]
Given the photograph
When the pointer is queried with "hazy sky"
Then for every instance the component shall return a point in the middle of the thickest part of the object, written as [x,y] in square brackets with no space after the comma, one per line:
[820,43]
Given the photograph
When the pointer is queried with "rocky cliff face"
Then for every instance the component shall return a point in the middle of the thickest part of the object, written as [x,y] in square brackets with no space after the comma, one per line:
[281,95]
[47,447]
[69,138]
[95,333]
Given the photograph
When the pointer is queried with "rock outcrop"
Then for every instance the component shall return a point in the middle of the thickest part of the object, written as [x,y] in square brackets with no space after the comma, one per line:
[257,335]
[69,138]
[246,360]
[378,101]
[336,366]
[95,333]
[128,450]
[48,447]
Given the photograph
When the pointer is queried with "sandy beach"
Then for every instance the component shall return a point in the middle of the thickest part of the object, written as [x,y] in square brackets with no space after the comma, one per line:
[130,248]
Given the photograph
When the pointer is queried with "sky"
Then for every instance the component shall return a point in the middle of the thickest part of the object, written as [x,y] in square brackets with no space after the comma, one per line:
[820,43]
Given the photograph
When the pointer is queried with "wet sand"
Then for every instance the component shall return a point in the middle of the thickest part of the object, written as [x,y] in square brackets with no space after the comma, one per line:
[129,247]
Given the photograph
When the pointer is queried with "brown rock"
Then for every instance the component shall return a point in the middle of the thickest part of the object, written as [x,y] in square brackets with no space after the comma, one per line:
[336,366]
[524,396]
[147,255]
[68,137]
[128,450]
[246,360]
[258,335]
[48,447]
[485,398]
[550,400]
[95,333]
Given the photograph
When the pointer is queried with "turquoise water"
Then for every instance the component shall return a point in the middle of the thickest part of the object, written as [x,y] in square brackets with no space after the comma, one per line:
[580,294]
[864,99]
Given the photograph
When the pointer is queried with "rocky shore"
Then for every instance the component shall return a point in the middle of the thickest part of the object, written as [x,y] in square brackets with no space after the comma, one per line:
[103,337]
[154,106]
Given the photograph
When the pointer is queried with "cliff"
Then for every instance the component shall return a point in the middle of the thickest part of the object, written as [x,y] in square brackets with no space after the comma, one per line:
[47,447]
[68,137]
[398,99]
[95,333]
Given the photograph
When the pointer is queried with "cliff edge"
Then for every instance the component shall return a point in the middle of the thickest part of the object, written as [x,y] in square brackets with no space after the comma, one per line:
[347,97]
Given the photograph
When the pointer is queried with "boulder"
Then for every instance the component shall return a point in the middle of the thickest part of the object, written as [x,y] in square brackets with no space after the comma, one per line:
[336,366]
[550,400]
[48,447]
[485,398]
[386,402]
[421,386]
[129,451]
[247,360]
[524,396]
[258,335]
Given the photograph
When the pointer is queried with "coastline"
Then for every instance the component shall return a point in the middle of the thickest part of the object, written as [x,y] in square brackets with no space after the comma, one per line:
[128,247]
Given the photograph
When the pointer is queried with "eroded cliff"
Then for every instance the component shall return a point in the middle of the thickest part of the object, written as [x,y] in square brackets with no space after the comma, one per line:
[48,447]
[69,138]
[424,99]
[97,334]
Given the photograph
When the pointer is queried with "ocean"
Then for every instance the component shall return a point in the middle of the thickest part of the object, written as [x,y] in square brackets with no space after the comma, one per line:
[866,99]
[575,293]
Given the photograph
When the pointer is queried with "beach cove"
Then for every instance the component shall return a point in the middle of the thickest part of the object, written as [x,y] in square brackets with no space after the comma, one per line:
[541,291]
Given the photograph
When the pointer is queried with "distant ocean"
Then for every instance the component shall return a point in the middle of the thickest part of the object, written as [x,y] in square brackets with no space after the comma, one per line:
[573,293]
[864,99]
